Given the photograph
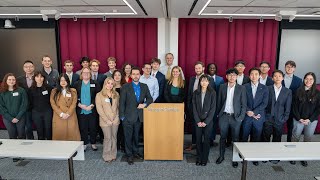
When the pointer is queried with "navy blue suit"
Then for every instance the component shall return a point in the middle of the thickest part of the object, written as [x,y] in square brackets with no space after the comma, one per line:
[258,105]
[295,84]
[269,81]
[100,79]
[75,78]
[161,81]
[277,113]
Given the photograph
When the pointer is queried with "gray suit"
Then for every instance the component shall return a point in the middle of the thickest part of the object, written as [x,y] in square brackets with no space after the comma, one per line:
[232,121]
[131,116]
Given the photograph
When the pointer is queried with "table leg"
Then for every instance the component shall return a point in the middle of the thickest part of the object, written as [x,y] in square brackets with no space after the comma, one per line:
[244,170]
[71,173]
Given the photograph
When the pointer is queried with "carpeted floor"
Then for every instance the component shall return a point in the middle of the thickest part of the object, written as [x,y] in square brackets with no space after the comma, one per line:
[95,168]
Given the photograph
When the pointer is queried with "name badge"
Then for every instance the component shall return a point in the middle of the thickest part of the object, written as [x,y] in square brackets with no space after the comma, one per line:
[107,100]
[44,92]
[15,94]
[68,95]
[92,85]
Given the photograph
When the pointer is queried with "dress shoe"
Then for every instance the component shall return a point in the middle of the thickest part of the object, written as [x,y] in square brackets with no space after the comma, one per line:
[213,144]
[292,162]
[203,164]
[85,148]
[130,160]
[256,163]
[304,163]
[219,160]
[189,148]
[235,164]
[138,156]
[94,147]
[198,163]
[265,161]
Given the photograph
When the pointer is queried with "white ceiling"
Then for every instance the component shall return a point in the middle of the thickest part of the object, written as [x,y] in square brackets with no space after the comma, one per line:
[157,8]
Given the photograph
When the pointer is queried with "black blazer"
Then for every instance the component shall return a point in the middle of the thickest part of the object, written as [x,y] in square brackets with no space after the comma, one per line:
[239,101]
[206,112]
[279,109]
[190,90]
[169,98]
[128,102]
[245,80]
[93,91]
[161,81]
[22,82]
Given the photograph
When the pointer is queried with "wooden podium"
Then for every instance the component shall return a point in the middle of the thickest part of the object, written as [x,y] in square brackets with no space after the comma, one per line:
[163,131]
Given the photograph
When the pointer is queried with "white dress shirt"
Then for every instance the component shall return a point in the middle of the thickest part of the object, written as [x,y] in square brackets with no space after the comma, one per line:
[263,81]
[240,79]
[229,100]
[70,76]
[152,84]
[254,88]
[277,91]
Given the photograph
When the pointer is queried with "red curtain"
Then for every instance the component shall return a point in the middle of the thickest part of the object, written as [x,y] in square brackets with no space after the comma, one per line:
[128,40]
[222,42]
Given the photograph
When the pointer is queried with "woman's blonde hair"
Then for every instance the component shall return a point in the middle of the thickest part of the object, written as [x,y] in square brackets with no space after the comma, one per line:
[113,91]
[180,79]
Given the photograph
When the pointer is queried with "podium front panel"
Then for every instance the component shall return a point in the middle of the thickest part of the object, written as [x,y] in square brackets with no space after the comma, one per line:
[163,131]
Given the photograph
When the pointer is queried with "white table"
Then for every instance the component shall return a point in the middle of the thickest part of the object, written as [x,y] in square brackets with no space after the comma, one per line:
[43,149]
[283,151]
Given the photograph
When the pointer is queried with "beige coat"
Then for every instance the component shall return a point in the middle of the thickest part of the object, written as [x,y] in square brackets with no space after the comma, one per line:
[65,129]
[108,115]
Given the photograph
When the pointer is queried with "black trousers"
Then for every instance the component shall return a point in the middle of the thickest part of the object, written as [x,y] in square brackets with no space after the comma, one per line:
[43,122]
[15,130]
[270,127]
[290,128]
[88,123]
[131,136]
[120,137]
[226,122]
[203,142]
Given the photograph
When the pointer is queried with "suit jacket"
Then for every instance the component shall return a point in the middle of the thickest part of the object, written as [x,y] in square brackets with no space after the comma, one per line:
[218,81]
[108,74]
[295,84]
[169,98]
[108,113]
[100,79]
[279,109]
[269,81]
[161,81]
[75,78]
[239,101]
[204,113]
[259,103]
[190,90]
[245,80]
[128,102]
[94,89]
[22,82]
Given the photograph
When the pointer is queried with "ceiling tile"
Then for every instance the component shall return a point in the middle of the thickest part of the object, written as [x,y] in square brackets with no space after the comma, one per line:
[109,9]
[27,2]
[272,3]
[226,10]
[254,10]
[229,2]
[65,2]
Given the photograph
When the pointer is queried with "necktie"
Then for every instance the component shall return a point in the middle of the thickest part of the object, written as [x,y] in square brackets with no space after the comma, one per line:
[95,77]
[153,74]
[70,77]
[168,73]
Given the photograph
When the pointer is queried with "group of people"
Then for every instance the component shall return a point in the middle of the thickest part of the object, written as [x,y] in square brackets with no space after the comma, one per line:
[86,104]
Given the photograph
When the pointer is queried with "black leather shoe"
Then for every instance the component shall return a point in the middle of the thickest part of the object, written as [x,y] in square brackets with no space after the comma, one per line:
[235,164]
[292,162]
[304,163]
[203,164]
[219,160]
[138,156]
[198,163]
[256,163]
[130,160]
[265,161]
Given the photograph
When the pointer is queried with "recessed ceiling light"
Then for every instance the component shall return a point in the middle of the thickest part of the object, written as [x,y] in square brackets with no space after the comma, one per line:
[114,10]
